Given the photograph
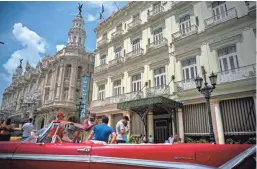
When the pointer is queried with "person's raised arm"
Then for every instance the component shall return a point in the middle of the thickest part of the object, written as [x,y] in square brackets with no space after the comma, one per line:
[113,135]
[86,126]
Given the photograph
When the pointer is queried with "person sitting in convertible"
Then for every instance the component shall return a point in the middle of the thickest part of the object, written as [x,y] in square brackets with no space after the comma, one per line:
[54,131]
[102,132]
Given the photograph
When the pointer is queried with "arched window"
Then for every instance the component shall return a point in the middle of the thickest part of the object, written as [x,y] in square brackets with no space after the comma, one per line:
[74,39]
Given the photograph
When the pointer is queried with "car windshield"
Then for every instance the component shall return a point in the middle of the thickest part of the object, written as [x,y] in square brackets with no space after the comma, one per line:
[61,132]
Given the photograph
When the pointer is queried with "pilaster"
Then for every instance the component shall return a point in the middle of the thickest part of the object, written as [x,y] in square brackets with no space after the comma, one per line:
[181,124]
[73,81]
[150,124]
[217,122]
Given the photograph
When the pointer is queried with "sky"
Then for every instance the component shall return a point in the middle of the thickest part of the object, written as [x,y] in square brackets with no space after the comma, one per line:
[30,30]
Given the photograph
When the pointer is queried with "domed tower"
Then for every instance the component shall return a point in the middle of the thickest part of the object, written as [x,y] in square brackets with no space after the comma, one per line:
[77,34]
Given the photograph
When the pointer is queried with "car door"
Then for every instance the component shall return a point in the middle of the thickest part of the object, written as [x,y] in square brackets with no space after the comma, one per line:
[47,155]
[6,152]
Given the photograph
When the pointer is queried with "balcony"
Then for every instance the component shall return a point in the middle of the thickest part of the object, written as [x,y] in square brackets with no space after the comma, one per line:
[221,18]
[184,85]
[240,73]
[155,12]
[134,54]
[99,103]
[101,68]
[102,42]
[116,34]
[157,44]
[126,97]
[184,33]
[117,61]
[134,24]
[158,91]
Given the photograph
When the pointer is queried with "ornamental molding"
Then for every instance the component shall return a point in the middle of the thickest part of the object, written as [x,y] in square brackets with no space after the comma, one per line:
[187,53]
[134,71]
[159,63]
[135,36]
[186,11]
[223,41]
[101,81]
[157,25]
[117,77]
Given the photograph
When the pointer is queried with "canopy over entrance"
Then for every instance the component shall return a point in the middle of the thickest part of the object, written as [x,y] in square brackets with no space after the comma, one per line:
[156,105]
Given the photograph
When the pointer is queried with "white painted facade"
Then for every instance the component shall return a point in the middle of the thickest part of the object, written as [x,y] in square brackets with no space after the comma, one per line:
[175,38]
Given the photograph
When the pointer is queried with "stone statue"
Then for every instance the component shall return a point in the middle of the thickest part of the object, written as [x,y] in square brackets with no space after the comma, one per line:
[20,66]
[80,8]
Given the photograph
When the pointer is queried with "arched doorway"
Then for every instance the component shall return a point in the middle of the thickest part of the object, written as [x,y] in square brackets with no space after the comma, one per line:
[40,123]
[73,119]
[51,119]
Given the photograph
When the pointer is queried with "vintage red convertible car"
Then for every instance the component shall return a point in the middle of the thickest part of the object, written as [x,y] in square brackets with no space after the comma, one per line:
[69,151]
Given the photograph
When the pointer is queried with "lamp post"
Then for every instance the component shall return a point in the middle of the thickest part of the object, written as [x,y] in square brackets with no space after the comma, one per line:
[206,91]
[80,107]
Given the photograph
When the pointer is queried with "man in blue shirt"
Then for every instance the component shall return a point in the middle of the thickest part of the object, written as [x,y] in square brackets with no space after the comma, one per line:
[103,131]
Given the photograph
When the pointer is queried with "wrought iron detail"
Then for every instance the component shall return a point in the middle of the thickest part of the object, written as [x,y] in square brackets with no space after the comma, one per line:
[157,91]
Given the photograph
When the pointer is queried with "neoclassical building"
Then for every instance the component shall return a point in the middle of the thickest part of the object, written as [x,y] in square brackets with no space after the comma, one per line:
[55,84]
[149,53]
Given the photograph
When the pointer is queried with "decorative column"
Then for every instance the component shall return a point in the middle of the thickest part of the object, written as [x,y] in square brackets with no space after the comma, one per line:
[150,124]
[73,81]
[52,84]
[59,82]
[218,126]
[181,125]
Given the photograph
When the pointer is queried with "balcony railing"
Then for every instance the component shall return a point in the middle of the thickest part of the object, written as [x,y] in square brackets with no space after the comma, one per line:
[101,67]
[157,44]
[155,11]
[184,33]
[222,17]
[126,97]
[134,54]
[102,42]
[117,33]
[237,74]
[116,61]
[118,99]
[158,91]
[185,85]
[134,23]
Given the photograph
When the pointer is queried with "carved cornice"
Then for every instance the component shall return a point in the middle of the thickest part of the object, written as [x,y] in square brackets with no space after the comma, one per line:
[101,81]
[187,53]
[159,63]
[159,24]
[223,41]
[117,77]
[134,71]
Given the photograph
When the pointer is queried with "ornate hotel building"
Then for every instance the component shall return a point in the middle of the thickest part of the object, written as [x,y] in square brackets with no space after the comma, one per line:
[149,53]
[53,85]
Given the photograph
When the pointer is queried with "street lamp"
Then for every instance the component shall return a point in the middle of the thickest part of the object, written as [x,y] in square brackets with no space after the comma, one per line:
[80,107]
[206,90]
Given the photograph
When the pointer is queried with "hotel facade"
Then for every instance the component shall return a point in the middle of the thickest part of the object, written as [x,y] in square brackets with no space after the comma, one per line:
[156,49]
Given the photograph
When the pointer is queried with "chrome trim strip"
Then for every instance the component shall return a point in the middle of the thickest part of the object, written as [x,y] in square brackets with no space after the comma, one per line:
[5,156]
[147,163]
[51,157]
[239,158]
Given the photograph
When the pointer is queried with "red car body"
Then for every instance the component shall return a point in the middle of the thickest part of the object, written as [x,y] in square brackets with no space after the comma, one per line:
[90,155]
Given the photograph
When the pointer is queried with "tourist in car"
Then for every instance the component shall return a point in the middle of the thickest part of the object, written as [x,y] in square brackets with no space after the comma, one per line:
[89,123]
[59,117]
[27,129]
[5,131]
[101,132]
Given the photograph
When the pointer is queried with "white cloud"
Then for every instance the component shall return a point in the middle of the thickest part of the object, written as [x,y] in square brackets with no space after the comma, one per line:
[6,78]
[91,18]
[59,47]
[32,44]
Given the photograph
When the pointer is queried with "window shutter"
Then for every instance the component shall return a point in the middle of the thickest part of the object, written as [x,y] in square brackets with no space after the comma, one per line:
[124,52]
[197,21]
[149,83]
[148,41]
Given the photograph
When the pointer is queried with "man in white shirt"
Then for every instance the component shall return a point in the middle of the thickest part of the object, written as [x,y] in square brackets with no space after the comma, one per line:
[27,128]
[171,139]
[122,130]
[150,139]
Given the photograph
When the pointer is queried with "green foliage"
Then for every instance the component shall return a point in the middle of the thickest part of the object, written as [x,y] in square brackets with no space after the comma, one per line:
[132,139]
[251,140]
[190,140]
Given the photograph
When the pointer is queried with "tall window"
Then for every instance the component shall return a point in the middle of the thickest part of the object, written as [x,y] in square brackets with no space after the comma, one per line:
[189,69]
[219,9]
[136,46]
[228,58]
[102,59]
[68,71]
[105,36]
[47,90]
[185,24]
[157,7]
[101,92]
[160,76]
[118,52]
[136,83]
[49,78]
[119,27]
[65,93]
[157,38]
[117,87]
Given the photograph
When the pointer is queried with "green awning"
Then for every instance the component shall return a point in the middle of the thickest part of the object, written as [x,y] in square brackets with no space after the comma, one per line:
[145,103]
